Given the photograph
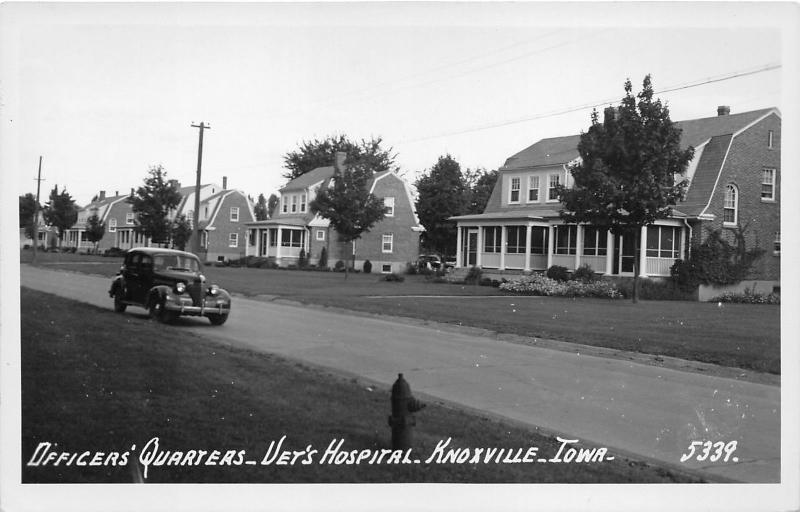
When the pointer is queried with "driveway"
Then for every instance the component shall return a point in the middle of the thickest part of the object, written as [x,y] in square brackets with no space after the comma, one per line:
[644,410]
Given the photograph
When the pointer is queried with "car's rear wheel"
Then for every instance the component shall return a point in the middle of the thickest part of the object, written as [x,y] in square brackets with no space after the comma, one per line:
[218,319]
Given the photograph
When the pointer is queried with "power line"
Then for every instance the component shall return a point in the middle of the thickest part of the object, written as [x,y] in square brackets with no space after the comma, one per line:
[535,117]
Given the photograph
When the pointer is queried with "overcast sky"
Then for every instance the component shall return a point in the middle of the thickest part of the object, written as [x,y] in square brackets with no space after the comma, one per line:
[103,92]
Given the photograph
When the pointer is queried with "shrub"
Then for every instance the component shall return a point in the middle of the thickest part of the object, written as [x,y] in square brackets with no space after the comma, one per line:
[302,260]
[411,269]
[749,297]
[558,273]
[323,258]
[367,267]
[537,284]
[656,289]
[474,275]
[393,278]
[584,274]
[338,266]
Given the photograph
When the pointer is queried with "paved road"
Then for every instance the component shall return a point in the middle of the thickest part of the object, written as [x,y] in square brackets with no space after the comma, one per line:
[644,410]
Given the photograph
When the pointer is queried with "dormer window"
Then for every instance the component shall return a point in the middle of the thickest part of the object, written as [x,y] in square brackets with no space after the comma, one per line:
[553,180]
[533,189]
[284,205]
[514,195]
[303,203]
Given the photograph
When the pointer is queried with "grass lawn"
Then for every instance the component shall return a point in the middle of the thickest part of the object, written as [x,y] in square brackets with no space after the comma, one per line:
[98,381]
[736,335]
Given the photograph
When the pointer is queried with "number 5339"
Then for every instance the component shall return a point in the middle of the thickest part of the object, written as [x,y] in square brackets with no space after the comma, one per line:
[708,450]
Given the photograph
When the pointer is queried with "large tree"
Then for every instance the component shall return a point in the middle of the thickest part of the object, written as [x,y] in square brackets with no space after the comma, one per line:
[442,192]
[95,230]
[628,174]
[320,153]
[272,204]
[181,232]
[261,210]
[481,183]
[152,203]
[27,210]
[60,212]
[349,206]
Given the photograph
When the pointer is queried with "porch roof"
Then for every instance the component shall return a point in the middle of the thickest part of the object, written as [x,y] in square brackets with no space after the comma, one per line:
[288,221]
[509,215]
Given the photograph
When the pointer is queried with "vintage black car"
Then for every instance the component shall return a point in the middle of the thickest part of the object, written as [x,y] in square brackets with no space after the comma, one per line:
[168,283]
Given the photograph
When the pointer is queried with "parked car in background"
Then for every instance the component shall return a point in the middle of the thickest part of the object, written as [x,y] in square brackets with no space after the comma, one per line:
[429,262]
[168,284]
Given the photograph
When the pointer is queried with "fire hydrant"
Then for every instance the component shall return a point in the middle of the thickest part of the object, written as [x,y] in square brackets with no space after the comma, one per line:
[402,419]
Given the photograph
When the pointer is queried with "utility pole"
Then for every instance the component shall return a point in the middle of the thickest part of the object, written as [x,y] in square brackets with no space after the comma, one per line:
[36,211]
[196,218]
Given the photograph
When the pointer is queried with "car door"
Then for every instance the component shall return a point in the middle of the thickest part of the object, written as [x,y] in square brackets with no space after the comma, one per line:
[131,276]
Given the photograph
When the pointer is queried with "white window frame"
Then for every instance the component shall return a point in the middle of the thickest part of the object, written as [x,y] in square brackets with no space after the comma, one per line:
[294,203]
[112,225]
[129,218]
[514,180]
[234,214]
[386,268]
[726,205]
[387,243]
[772,173]
[302,203]
[771,139]
[550,187]
[388,202]
[320,235]
[534,186]
[776,244]
[284,205]
[233,240]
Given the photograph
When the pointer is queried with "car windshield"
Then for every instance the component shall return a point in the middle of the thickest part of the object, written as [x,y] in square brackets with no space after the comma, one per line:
[176,262]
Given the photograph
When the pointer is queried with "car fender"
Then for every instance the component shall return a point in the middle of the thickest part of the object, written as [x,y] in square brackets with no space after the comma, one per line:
[117,283]
[221,293]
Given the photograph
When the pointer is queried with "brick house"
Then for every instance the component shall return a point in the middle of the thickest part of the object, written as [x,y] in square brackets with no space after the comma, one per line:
[389,245]
[734,182]
[223,220]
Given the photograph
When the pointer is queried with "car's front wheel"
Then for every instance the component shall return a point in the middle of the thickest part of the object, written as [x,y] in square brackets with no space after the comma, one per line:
[158,312]
[218,319]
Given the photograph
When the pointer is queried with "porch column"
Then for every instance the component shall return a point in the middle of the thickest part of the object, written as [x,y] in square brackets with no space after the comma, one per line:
[479,242]
[550,244]
[643,253]
[458,245]
[609,253]
[278,246]
[503,241]
[527,267]
[578,245]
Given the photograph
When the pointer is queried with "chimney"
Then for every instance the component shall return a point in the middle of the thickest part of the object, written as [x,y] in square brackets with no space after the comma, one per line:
[116,193]
[610,113]
[102,195]
[723,110]
[175,184]
[338,163]
[132,191]
[224,183]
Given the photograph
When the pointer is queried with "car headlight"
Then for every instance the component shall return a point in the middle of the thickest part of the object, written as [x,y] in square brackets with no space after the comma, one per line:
[180,287]
[213,289]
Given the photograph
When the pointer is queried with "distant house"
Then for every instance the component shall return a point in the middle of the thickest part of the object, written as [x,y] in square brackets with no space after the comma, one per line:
[101,206]
[389,245]
[734,183]
[223,221]
[47,235]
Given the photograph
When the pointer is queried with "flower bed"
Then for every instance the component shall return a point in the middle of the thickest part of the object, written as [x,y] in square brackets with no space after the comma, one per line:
[748,297]
[537,284]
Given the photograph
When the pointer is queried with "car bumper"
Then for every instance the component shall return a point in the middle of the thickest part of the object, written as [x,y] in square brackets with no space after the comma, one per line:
[211,307]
